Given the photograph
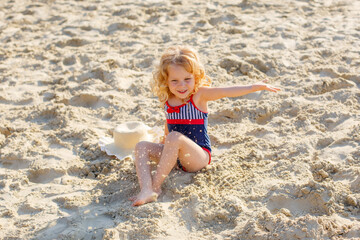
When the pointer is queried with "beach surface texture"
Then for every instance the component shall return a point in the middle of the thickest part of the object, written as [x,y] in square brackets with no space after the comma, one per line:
[284,166]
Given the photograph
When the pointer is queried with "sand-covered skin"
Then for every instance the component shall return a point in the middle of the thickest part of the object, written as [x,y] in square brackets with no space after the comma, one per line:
[285,166]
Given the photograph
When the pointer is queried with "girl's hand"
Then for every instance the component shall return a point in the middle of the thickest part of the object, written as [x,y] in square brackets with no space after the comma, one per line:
[264,86]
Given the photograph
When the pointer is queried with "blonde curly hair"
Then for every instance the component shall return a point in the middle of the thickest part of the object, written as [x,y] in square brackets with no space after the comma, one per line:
[183,56]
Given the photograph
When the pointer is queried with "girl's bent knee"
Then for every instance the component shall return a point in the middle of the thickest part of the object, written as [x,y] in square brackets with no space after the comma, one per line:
[173,137]
[143,145]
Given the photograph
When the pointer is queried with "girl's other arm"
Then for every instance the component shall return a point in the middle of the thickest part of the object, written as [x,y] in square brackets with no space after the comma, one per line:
[166,132]
[211,94]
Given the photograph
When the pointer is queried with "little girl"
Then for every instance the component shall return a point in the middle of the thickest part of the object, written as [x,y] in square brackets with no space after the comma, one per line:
[184,90]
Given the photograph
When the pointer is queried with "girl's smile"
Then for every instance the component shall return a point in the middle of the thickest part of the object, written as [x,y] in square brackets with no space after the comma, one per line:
[181,83]
[182,92]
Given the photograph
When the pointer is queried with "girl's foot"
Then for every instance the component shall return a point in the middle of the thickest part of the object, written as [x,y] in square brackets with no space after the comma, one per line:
[132,198]
[144,197]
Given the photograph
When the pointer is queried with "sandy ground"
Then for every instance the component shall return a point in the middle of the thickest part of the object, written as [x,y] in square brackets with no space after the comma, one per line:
[285,166]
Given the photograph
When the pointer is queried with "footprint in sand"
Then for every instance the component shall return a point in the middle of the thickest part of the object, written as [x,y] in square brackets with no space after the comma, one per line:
[73,42]
[88,100]
[313,203]
[331,80]
[45,175]
[28,208]
[127,25]
[69,60]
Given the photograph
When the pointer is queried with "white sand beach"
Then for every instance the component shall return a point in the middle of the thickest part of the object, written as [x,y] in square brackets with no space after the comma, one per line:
[284,166]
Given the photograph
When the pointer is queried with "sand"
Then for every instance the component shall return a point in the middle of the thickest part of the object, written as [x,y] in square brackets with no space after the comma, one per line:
[285,166]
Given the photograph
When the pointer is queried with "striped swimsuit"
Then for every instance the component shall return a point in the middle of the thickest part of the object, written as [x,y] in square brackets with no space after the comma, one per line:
[188,120]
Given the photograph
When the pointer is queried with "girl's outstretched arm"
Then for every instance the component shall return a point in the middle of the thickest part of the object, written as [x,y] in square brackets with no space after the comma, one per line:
[214,93]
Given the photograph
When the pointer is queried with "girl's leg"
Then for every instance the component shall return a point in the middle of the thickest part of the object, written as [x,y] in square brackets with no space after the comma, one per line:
[144,153]
[191,156]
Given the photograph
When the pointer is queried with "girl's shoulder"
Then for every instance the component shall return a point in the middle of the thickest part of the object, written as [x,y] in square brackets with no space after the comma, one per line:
[199,100]
[201,93]
[201,90]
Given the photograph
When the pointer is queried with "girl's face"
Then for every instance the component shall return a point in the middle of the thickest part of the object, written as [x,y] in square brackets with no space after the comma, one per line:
[181,83]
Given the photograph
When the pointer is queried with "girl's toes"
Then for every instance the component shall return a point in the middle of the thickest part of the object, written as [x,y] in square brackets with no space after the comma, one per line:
[138,203]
